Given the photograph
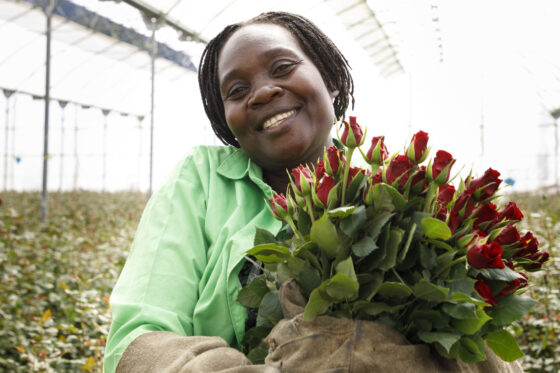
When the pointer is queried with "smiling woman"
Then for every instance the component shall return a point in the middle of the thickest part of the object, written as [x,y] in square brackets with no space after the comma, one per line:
[272,88]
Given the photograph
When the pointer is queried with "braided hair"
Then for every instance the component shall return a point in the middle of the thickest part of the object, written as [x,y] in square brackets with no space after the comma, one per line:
[330,62]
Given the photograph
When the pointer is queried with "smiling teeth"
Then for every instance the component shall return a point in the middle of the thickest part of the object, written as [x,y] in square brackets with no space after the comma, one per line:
[275,120]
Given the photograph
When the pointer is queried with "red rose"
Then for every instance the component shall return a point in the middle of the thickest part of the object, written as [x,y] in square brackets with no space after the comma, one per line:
[419,182]
[485,213]
[323,189]
[512,286]
[352,135]
[333,160]
[485,292]
[445,194]
[320,170]
[368,194]
[464,204]
[510,212]
[302,179]
[441,167]
[279,205]
[416,152]
[508,235]
[377,153]
[483,255]
[530,245]
[400,165]
[538,259]
[485,186]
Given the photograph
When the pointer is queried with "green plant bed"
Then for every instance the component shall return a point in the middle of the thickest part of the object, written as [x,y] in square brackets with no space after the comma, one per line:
[538,334]
[57,277]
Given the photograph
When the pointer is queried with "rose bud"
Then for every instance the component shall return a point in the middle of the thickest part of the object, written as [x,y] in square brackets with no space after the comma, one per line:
[440,169]
[417,150]
[376,179]
[352,173]
[485,292]
[334,159]
[508,235]
[445,194]
[486,185]
[302,179]
[530,245]
[398,169]
[352,136]
[377,153]
[510,212]
[327,192]
[464,204]
[483,255]
[279,206]
[320,170]
[514,285]
[419,182]
[485,214]
[538,259]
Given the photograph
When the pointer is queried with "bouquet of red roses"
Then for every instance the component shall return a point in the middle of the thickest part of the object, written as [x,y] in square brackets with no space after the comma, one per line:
[398,244]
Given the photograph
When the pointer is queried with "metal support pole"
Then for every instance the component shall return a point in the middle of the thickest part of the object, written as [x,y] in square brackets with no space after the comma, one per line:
[49,8]
[76,159]
[153,58]
[556,120]
[104,176]
[140,155]
[62,118]
[7,94]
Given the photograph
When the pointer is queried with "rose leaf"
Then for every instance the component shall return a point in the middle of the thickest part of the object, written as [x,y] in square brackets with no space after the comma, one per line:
[504,345]
[430,292]
[323,233]
[435,228]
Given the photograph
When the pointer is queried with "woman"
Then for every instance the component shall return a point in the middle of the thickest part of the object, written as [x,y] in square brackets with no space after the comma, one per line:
[272,88]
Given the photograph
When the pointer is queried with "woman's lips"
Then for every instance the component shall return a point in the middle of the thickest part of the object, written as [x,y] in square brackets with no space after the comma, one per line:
[278,119]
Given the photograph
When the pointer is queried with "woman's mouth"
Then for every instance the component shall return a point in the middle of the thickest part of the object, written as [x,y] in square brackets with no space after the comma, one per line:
[277,119]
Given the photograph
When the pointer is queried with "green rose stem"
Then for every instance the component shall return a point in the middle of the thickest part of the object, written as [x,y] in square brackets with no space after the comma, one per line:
[288,219]
[349,153]
[309,206]
[432,190]
[408,184]
[449,265]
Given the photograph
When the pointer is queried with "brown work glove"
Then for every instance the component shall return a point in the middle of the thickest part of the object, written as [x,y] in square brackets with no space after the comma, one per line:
[331,345]
[166,352]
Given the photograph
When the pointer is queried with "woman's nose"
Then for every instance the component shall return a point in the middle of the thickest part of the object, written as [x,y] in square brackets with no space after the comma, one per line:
[264,94]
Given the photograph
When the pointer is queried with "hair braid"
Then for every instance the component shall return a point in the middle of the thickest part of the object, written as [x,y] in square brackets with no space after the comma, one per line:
[328,59]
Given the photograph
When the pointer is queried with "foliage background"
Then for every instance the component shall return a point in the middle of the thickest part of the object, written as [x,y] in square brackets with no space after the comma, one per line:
[56,279]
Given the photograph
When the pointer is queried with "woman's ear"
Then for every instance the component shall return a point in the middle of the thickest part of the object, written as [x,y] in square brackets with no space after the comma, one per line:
[334,93]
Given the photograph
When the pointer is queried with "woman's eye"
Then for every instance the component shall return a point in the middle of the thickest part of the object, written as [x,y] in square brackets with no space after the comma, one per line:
[284,68]
[235,92]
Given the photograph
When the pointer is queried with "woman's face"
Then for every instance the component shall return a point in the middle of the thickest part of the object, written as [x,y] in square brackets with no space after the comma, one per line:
[275,100]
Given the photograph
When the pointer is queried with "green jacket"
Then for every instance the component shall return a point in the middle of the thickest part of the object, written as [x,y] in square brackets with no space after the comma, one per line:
[182,271]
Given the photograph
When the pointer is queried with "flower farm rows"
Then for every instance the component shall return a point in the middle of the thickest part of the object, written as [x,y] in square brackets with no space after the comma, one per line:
[57,277]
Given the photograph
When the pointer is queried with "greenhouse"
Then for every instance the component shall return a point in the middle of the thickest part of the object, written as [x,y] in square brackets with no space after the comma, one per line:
[101,104]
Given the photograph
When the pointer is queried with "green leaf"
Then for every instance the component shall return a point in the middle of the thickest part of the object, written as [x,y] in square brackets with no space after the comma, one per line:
[404,250]
[391,289]
[316,305]
[416,219]
[341,287]
[398,200]
[471,326]
[323,233]
[504,345]
[347,267]
[374,309]
[262,236]
[378,223]
[428,257]
[460,297]
[290,268]
[382,199]
[502,274]
[364,247]
[341,212]
[270,253]
[510,308]
[252,294]
[270,311]
[369,283]
[392,249]
[435,228]
[354,222]
[460,310]
[308,279]
[446,340]
[471,350]
[430,292]
[258,354]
